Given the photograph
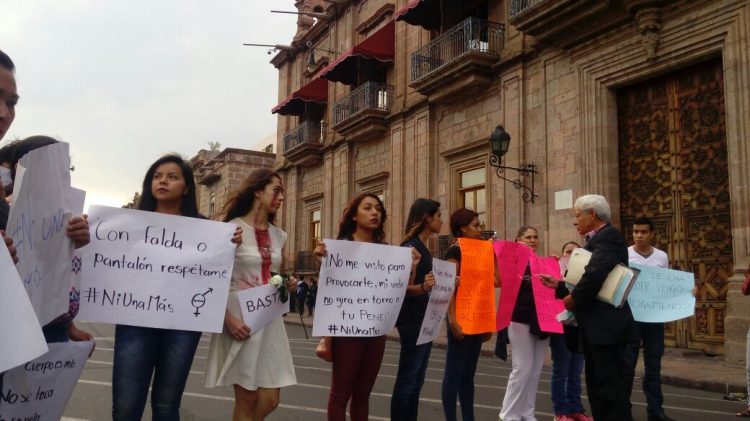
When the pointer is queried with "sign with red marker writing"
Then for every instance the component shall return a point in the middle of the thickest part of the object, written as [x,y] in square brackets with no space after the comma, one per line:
[155,270]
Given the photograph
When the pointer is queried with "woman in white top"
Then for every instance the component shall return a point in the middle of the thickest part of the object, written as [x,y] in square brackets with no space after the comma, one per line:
[258,364]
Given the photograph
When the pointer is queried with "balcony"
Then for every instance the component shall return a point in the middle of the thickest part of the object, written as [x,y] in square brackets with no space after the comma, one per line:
[305,264]
[361,115]
[304,145]
[565,23]
[459,62]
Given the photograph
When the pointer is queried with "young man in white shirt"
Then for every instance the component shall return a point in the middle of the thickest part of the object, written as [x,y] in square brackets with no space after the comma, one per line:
[652,334]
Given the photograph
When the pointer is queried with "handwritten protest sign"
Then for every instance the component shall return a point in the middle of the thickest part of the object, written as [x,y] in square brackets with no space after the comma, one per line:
[475,299]
[261,305]
[440,298]
[40,389]
[20,327]
[662,295]
[547,306]
[361,287]
[155,270]
[37,222]
[512,259]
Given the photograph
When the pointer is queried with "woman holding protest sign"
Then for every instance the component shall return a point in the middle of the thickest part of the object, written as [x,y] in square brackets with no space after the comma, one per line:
[356,360]
[565,383]
[463,349]
[528,341]
[257,364]
[423,221]
[167,354]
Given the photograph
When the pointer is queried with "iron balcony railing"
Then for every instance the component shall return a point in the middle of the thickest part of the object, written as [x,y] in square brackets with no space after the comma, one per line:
[519,6]
[473,34]
[305,262]
[307,132]
[370,96]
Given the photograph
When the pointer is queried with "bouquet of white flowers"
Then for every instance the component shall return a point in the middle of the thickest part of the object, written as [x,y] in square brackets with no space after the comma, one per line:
[279,281]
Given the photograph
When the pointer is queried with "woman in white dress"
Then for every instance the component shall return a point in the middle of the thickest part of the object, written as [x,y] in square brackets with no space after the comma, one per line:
[257,364]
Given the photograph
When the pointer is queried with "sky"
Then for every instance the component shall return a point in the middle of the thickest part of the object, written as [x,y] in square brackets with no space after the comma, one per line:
[125,82]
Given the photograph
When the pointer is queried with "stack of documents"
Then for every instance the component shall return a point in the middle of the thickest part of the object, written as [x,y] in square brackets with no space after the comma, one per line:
[616,287]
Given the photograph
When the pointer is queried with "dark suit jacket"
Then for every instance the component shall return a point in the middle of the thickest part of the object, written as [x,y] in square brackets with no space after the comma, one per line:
[599,322]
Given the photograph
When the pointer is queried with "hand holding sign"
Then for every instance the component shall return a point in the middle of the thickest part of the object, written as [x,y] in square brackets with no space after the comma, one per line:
[360,289]
[443,277]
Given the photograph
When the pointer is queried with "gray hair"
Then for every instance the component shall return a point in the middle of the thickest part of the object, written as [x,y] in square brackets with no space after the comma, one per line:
[594,203]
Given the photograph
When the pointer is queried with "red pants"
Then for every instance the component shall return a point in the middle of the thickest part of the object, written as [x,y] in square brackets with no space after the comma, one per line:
[356,362]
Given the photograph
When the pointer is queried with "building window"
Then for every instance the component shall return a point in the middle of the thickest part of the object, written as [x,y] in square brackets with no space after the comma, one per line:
[315,236]
[211,205]
[472,193]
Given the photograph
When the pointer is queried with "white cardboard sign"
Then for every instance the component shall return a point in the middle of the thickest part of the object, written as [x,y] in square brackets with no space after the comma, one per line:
[361,288]
[37,222]
[440,298]
[260,306]
[40,389]
[154,270]
[19,326]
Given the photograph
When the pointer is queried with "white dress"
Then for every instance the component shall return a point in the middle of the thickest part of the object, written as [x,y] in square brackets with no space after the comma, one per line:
[264,360]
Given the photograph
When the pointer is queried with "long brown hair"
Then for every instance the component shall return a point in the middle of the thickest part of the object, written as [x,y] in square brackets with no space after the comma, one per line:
[417,219]
[347,226]
[241,201]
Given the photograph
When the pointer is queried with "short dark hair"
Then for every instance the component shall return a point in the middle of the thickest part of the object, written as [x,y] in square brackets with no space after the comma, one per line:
[461,217]
[6,62]
[642,220]
[188,207]
[22,147]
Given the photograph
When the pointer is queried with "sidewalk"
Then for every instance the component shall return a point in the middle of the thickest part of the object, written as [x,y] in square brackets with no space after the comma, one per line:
[680,367]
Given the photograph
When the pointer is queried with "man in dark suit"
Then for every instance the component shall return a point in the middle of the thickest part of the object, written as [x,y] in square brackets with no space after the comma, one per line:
[604,329]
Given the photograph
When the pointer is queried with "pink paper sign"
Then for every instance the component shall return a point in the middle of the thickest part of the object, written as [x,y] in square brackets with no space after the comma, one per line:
[547,306]
[512,259]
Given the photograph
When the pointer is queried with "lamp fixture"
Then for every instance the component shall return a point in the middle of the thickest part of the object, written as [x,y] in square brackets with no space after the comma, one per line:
[500,143]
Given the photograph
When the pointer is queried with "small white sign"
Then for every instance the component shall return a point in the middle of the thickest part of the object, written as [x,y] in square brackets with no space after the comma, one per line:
[261,305]
[155,270]
[20,328]
[40,389]
[440,298]
[361,288]
[563,199]
[42,205]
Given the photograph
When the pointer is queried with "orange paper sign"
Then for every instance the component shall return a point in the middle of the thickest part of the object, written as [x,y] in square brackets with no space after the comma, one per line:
[475,299]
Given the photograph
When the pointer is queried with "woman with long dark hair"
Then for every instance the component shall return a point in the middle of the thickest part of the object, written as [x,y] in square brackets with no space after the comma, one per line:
[463,350]
[356,360]
[423,221]
[257,364]
[143,352]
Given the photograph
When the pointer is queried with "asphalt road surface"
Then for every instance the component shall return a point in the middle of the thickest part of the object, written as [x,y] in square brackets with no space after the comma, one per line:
[307,400]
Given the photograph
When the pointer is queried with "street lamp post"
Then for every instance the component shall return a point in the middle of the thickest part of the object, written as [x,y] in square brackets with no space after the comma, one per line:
[500,143]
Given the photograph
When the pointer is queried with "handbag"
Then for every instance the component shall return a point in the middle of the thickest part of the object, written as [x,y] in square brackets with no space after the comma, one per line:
[324,350]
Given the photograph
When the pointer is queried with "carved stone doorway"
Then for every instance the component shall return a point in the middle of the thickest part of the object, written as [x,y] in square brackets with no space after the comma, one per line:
[673,169]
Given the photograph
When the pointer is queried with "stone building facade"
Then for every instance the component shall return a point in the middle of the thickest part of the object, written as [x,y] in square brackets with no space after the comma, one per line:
[643,101]
[219,173]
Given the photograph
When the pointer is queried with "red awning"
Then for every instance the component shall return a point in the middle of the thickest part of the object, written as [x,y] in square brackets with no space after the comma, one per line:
[315,91]
[378,46]
[424,13]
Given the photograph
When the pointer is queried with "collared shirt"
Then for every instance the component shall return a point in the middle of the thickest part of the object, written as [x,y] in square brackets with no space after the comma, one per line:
[589,235]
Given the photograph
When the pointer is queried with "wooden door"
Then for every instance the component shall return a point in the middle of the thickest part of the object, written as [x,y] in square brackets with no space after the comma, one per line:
[673,169]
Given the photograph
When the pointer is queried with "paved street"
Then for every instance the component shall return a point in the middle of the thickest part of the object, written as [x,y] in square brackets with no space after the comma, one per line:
[307,400]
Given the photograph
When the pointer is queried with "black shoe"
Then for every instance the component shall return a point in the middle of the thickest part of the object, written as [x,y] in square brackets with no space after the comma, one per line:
[662,417]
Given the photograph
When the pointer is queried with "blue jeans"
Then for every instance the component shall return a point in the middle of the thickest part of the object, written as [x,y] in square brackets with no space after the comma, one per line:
[141,352]
[565,384]
[458,379]
[652,336]
[412,366]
